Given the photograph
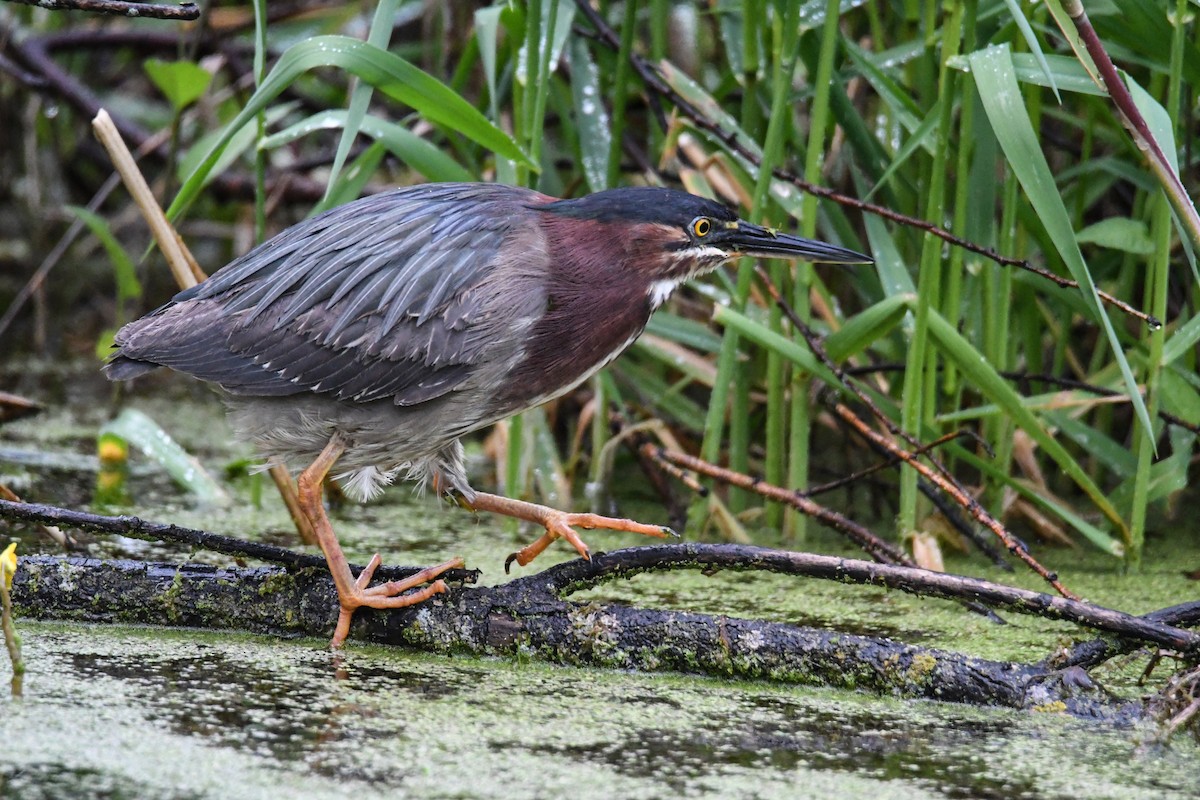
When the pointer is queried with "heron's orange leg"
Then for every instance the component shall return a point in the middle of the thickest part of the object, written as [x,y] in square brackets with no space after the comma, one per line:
[352,592]
[558,524]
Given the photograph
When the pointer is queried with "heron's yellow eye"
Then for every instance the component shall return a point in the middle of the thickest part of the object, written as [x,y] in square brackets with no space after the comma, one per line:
[701,226]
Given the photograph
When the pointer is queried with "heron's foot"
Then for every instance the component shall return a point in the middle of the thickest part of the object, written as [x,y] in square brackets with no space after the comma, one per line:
[562,524]
[386,595]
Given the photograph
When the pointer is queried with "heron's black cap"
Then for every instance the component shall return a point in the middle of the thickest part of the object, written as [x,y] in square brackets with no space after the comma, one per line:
[641,204]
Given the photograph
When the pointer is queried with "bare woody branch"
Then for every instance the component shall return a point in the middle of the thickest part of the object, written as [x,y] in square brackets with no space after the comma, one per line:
[183,11]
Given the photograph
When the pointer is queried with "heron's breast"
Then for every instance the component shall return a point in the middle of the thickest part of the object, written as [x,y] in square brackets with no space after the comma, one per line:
[594,310]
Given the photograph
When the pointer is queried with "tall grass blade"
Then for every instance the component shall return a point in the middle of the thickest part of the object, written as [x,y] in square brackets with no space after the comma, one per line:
[993,72]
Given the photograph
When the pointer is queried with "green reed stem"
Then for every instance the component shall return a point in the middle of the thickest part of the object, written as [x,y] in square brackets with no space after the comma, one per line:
[920,376]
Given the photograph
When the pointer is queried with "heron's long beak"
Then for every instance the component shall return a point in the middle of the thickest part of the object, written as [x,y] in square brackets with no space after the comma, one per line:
[754,240]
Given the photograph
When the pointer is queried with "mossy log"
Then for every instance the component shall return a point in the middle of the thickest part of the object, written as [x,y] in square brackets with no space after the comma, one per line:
[528,618]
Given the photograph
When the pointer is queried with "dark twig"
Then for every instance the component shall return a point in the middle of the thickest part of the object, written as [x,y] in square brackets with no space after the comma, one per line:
[890,460]
[870,543]
[184,11]
[579,574]
[960,495]
[137,528]
[1096,651]
[654,81]
[31,52]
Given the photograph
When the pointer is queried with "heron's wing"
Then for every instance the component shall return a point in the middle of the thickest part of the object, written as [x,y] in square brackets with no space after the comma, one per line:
[384,297]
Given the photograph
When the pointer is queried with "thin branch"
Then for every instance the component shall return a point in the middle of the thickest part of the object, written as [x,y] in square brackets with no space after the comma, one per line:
[579,574]
[960,495]
[870,543]
[1096,651]
[137,528]
[184,11]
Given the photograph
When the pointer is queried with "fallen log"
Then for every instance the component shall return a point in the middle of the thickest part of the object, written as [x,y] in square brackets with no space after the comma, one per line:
[527,618]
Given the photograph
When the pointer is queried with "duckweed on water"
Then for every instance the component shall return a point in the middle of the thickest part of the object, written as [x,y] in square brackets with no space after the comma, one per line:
[138,713]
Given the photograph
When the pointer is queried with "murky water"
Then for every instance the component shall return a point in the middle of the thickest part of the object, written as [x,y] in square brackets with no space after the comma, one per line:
[116,712]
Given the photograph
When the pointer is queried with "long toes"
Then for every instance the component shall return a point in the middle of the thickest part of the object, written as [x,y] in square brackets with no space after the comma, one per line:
[384,600]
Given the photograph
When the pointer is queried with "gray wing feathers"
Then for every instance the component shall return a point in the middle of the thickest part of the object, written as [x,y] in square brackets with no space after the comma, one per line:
[365,302]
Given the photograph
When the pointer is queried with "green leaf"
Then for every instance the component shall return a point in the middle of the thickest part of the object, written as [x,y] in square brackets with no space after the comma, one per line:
[181,82]
[667,399]
[990,384]
[868,326]
[379,36]
[1180,343]
[922,137]
[387,72]
[893,271]
[1112,454]
[138,429]
[1179,397]
[892,93]
[420,154]
[1118,233]
[1062,71]
[1163,130]
[564,15]
[1001,96]
[128,286]
[1157,120]
[591,117]
[487,33]
[232,149]
[685,331]
[350,183]
[763,336]
[1167,476]
[1035,46]
[1066,27]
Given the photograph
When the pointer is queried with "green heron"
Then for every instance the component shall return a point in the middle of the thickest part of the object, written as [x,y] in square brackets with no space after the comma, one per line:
[374,336]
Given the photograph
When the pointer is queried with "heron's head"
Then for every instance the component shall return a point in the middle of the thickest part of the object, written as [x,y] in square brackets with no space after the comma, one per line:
[676,235]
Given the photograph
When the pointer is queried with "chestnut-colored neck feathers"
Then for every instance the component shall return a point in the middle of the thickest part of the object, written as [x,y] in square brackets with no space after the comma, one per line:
[598,288]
